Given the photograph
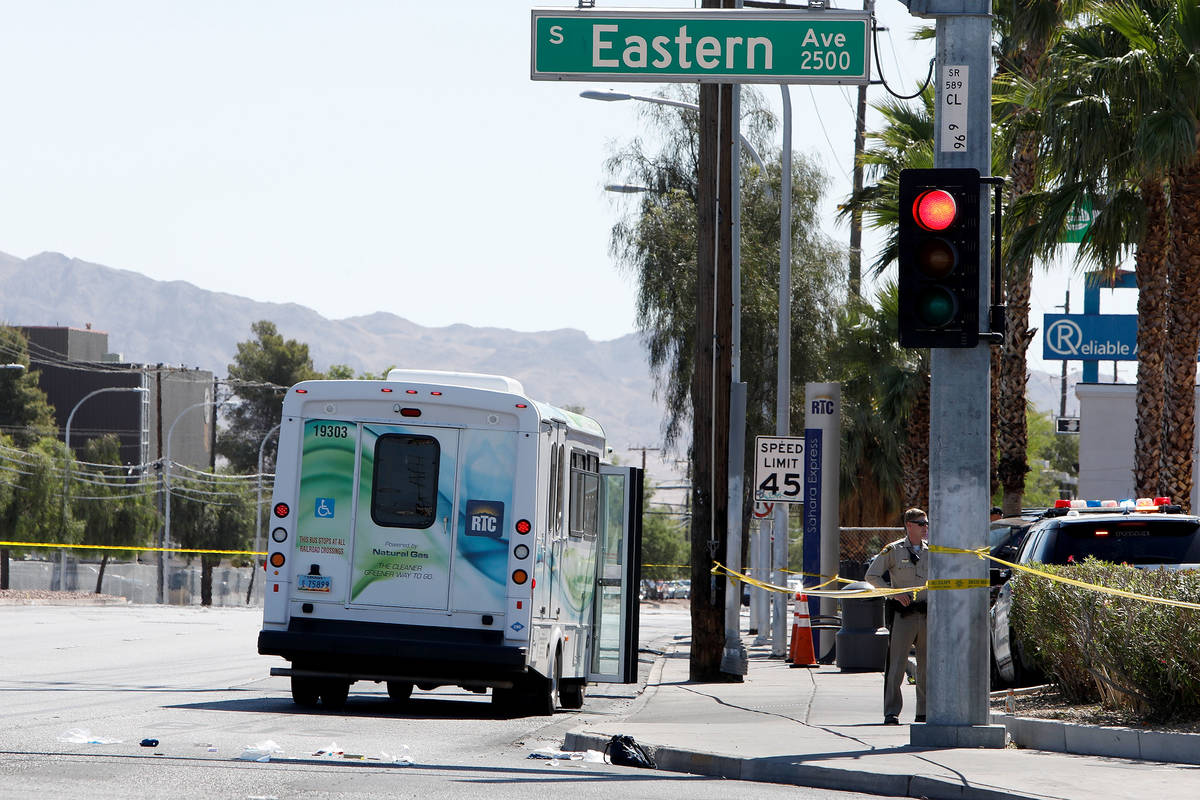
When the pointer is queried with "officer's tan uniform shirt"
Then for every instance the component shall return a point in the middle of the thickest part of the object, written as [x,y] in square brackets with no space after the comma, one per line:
[896,560]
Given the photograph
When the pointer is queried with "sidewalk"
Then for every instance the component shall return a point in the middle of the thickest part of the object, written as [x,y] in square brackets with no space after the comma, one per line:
[821,728]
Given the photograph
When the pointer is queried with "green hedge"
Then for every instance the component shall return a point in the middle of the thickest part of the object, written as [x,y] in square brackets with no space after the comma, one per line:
[1131,655]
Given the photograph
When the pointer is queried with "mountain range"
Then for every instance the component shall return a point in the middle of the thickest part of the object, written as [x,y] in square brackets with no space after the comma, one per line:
[177,323]
[174,322]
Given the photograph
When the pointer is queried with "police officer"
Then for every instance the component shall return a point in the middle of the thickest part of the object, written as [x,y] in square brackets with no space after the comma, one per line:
[906,561]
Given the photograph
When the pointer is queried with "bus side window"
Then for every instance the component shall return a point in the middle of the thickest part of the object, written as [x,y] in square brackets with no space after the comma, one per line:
[585,494]
[558,488]
[552,511]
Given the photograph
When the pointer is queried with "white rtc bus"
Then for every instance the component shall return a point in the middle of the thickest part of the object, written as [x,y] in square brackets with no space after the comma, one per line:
[440,528]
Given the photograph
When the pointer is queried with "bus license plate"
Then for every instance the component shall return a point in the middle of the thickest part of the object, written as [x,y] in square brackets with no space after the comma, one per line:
[314,583]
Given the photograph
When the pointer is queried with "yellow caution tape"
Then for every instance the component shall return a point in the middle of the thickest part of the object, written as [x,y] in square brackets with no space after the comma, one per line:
[59,546]
[837,578]
[957,583]
[983,552]
[721,569]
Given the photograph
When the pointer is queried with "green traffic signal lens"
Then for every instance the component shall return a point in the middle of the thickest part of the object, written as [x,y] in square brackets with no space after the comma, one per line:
[936,258]
[936,306]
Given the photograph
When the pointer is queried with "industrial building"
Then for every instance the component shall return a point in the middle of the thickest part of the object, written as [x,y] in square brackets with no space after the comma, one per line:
[72,363]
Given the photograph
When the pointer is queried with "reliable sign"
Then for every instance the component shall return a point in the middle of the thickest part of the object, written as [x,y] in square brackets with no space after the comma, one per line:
[1089,337]
[713,46]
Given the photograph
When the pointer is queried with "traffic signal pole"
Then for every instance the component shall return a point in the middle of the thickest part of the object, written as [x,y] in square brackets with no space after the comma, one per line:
[959,436]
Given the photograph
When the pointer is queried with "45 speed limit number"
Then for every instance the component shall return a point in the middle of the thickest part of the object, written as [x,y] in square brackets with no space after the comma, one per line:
[778,468]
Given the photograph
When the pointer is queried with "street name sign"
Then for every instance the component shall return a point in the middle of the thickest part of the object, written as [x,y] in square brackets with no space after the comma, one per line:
[701,45]
[779,469]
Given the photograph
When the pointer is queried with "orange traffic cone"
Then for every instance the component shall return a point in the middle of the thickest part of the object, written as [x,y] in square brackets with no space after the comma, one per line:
[801,653]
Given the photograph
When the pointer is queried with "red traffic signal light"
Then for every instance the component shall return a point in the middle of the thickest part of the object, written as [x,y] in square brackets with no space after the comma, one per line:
[935,210]
[939,261]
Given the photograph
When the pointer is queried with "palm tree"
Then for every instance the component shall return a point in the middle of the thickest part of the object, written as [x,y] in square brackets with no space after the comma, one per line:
[1131,73]
[1027,28]
[885,427]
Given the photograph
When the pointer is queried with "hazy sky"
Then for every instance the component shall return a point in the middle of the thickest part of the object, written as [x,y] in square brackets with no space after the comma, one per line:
[351,156]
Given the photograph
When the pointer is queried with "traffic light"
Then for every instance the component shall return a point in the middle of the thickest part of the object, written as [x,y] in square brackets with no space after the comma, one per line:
[939,257]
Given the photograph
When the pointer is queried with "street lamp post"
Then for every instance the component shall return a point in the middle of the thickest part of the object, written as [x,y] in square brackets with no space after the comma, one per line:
[4,551]
[783,381]
[70,459]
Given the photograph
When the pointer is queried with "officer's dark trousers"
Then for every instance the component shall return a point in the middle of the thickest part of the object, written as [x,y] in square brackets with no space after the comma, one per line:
[906,632]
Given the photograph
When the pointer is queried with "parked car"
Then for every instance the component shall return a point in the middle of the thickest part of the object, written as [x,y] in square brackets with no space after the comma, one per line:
[1147,537]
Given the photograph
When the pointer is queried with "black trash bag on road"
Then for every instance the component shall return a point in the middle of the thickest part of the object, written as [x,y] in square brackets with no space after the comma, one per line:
[625,752]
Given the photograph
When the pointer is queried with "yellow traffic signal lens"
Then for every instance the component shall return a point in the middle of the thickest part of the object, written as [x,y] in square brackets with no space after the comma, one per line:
[936,258]
[935,210]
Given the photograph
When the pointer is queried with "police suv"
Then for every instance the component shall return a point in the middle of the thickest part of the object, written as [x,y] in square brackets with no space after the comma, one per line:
[1145,534]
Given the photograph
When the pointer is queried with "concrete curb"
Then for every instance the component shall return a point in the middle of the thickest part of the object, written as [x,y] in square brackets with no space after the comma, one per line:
[786,770]
[1098,740]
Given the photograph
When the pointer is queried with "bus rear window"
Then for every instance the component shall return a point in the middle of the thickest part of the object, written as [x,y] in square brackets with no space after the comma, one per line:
[405,485]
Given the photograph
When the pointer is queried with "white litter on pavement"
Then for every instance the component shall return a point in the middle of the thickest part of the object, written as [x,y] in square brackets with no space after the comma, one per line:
[84,736]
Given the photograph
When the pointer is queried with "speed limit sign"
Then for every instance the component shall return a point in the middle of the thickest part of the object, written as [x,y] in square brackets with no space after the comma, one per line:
[778,468]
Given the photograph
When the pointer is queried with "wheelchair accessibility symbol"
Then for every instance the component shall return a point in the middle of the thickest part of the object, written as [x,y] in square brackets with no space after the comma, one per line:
[324,507]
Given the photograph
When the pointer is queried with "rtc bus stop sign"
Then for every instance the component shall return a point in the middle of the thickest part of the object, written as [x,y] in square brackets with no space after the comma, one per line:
[701,45]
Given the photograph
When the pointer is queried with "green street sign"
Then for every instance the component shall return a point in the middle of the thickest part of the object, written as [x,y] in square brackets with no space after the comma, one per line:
[1080,220]
[701,45]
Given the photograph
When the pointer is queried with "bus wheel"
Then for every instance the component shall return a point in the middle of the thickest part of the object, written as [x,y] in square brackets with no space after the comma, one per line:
[545,692]
[305,691]
[571,693]
[334,693]
[399,691]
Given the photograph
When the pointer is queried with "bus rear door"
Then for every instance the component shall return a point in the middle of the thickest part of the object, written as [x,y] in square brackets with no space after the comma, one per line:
[406,515]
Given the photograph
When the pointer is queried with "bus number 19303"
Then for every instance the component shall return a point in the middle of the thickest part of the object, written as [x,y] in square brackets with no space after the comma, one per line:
[332,431]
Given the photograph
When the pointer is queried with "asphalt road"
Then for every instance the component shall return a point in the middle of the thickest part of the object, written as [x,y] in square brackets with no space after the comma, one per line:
[81,687]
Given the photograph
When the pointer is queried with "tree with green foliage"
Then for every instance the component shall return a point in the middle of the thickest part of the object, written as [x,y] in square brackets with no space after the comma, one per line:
[9,475]
[211,511]
[1129,69]
[25,413]
[116,508]
[664,543]
[885,414]
[657,242]
[1059,453]
[34,511]
[345,372]
[264,368]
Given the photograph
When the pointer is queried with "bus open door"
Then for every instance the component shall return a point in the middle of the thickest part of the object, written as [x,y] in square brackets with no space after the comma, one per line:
[614,635]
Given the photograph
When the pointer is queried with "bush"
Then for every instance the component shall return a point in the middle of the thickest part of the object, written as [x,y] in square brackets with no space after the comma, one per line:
[1131,655]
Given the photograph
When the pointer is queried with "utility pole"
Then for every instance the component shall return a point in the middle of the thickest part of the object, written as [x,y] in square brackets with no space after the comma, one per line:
[711,374]
[162,498]
[644,448]
[860,145]
[959,413]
